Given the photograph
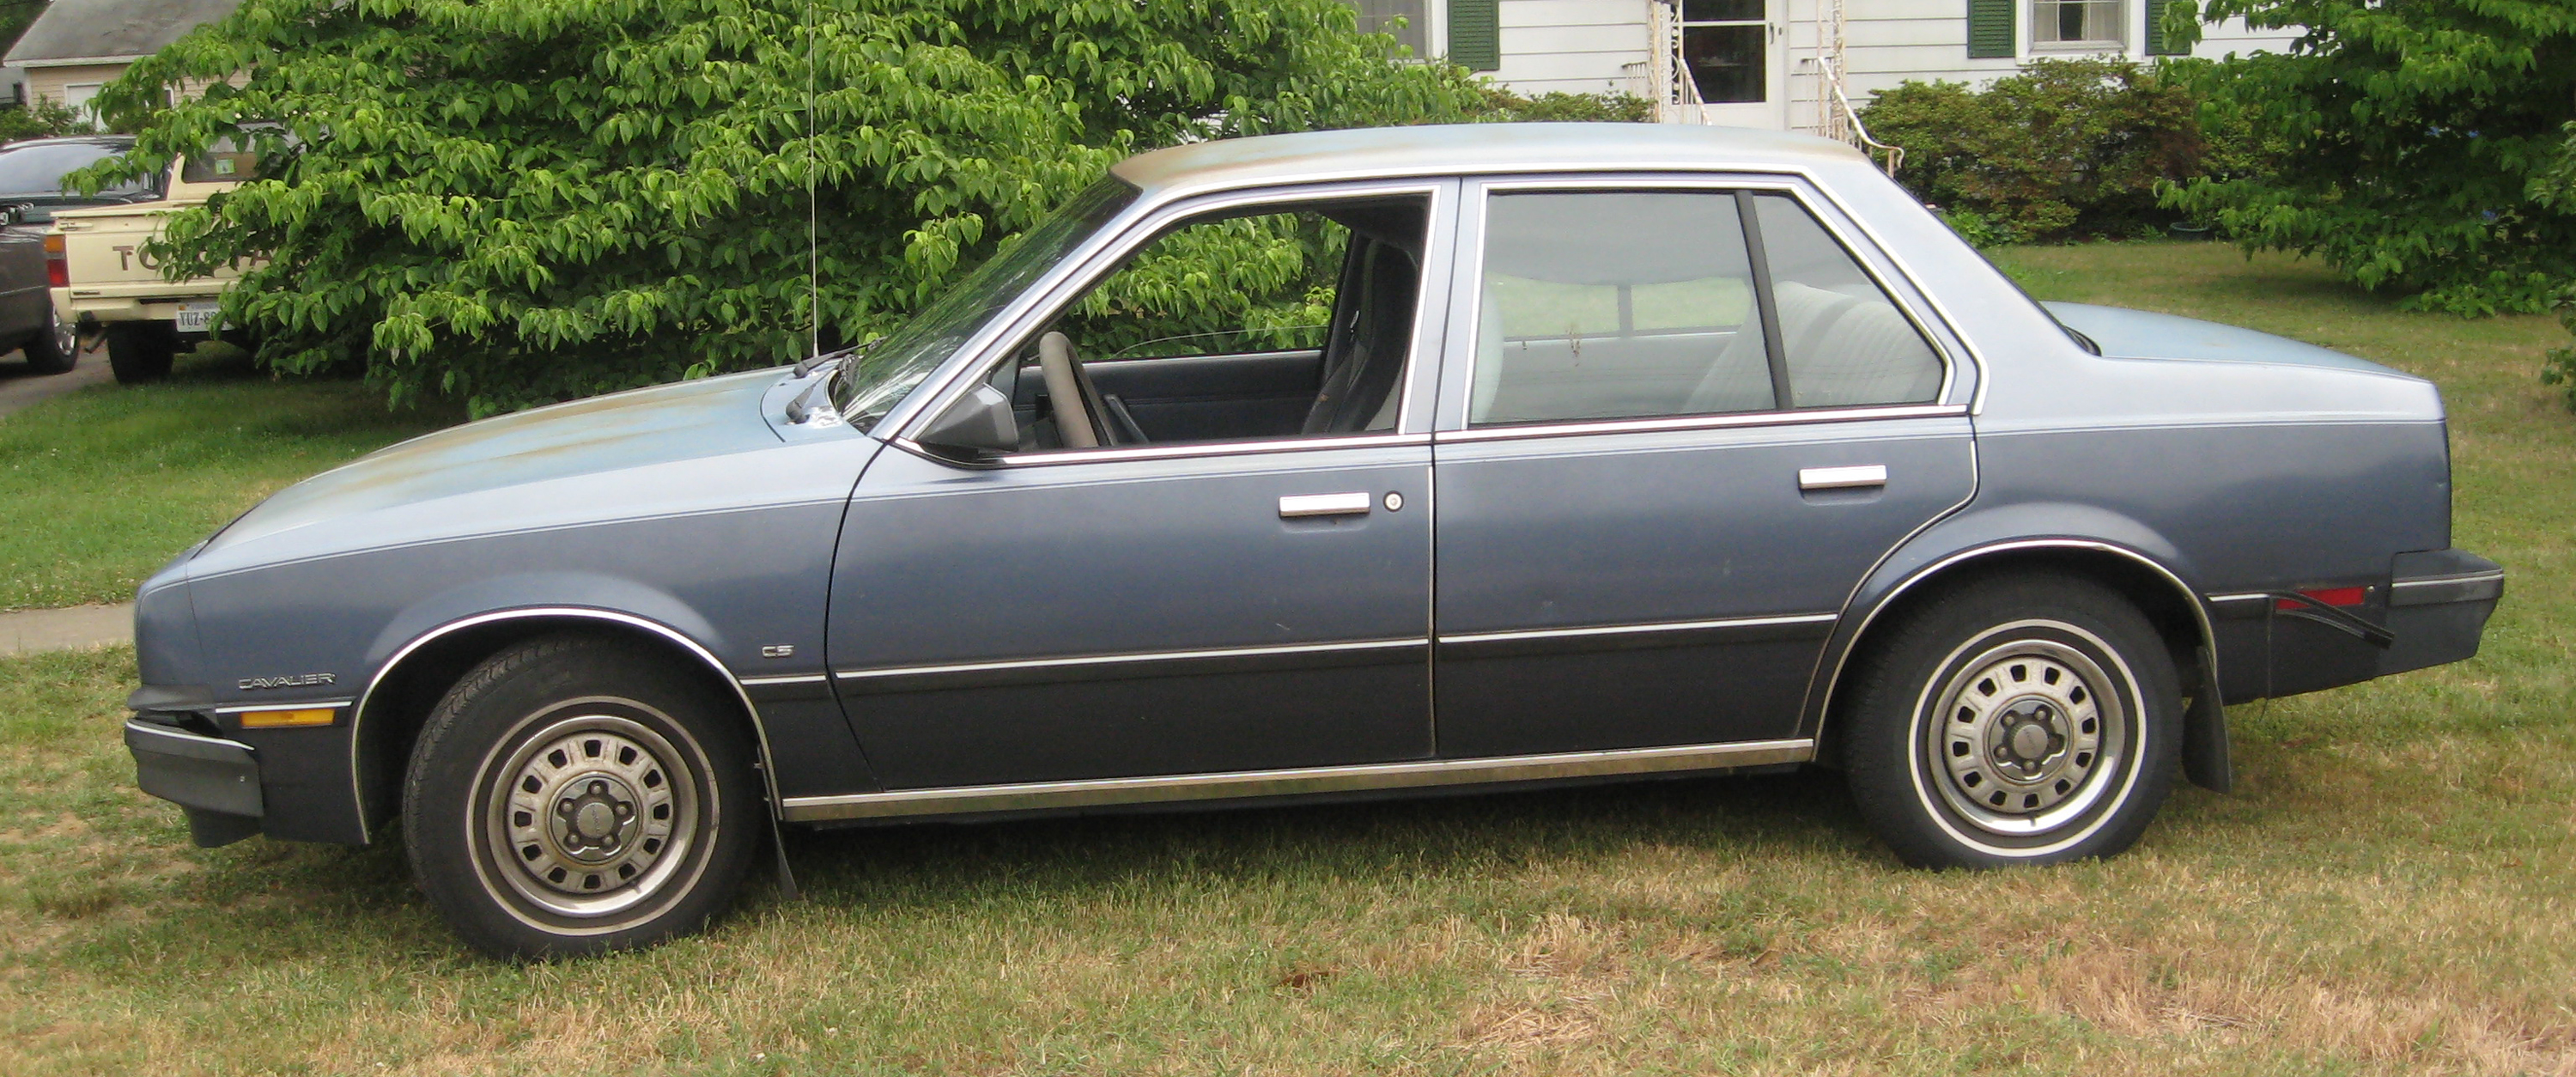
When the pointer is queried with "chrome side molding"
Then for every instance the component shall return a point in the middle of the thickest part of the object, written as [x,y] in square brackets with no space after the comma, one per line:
[956,800]
[2436,590]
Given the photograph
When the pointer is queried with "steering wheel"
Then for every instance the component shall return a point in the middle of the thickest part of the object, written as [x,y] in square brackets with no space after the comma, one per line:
[1067,394]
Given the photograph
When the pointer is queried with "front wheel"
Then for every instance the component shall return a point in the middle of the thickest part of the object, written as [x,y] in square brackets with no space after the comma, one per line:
[573,795]
[2029,720]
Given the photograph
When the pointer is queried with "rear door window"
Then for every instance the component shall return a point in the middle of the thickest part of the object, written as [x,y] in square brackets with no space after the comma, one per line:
[1640,304]
[1606,305]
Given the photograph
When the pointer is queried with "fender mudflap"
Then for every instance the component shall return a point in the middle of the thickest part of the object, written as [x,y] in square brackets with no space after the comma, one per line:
[2205,759]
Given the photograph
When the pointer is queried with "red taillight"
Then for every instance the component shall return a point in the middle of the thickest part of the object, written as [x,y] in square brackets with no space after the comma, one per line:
[2332,596]
[58,266]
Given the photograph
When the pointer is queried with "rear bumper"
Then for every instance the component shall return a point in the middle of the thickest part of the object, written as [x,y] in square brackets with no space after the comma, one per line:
[216,780]
[2432,610]
[2438,605]
[131,302]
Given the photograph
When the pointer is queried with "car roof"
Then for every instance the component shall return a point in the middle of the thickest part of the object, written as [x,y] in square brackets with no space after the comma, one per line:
[118,142]
[1478,148]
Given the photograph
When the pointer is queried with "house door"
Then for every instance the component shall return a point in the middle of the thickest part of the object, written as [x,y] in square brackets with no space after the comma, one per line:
[1732,50]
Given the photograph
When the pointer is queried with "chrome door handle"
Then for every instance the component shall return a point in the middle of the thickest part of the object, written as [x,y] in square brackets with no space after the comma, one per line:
[1842,478]
[1350,504]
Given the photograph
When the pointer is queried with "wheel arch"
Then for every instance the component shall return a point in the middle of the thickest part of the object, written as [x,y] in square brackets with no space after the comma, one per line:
[2158,589]
[389,714]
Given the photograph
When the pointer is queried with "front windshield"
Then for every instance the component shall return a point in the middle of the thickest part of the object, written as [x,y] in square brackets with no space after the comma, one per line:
[895,364]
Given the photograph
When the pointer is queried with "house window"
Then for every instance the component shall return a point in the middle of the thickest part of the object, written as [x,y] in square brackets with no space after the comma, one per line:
[2077,24]
[1726,43]
[1379,17]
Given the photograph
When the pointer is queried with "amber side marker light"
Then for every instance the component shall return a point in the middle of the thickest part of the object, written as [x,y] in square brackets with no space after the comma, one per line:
[276,719]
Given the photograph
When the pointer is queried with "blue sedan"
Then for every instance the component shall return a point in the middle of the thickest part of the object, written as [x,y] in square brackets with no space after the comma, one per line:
[1612,450]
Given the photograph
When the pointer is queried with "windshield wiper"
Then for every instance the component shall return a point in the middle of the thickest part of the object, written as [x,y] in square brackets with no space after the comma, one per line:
[802,408]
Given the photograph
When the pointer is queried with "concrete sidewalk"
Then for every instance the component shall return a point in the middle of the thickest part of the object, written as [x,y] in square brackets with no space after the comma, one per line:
[77,627]
[69,629]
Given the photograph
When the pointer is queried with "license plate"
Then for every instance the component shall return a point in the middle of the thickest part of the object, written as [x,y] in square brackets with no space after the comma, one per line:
[199,317]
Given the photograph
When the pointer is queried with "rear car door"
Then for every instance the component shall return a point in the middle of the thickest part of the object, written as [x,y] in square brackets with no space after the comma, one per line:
[1688,420]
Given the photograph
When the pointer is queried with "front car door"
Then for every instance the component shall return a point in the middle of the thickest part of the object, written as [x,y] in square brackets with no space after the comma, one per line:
[1683,421]
[1206,580]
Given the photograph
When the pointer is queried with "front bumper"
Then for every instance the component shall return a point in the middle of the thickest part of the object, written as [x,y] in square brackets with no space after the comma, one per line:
[216,780]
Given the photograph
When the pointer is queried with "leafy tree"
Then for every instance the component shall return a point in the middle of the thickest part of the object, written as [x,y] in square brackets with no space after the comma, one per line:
[2555,189]
[519,201]
[2411,133]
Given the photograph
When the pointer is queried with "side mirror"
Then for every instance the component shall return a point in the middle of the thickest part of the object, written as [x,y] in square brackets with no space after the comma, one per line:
[979,424]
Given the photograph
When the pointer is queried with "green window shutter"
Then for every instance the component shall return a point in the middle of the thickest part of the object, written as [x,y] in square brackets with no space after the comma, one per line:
[1990,29]
[2161,41]
[1476,34]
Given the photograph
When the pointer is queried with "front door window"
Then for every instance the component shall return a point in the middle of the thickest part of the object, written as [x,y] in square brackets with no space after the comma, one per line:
[1289,322]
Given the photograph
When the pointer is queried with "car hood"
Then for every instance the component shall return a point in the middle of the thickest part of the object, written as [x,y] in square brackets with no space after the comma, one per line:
[2138,334]
[617,432]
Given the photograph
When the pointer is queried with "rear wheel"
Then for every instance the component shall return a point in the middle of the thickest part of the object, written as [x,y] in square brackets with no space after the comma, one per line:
[2029,720]
[574,795]
[52,351]
[141,351]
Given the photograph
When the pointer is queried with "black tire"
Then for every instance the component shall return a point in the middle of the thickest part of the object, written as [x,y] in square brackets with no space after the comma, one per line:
[141,351]
[52,351]
[630,812]
[2032,719]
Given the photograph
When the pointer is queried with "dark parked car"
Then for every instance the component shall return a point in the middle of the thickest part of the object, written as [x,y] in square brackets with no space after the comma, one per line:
[1624,450]
[31,190]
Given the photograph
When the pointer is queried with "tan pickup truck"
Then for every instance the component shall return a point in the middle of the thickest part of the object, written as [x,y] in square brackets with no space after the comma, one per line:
[107,284]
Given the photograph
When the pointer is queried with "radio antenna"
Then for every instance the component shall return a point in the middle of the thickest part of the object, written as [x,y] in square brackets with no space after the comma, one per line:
[813,210]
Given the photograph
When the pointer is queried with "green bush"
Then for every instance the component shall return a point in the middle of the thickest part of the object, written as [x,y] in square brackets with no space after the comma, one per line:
[1978,229]
[2066,147]
[44,117]
[2410,137]
[511,202]
[1503,105]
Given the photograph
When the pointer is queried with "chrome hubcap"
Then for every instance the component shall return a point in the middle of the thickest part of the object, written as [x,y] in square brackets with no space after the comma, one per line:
[591,815]
[2025,732]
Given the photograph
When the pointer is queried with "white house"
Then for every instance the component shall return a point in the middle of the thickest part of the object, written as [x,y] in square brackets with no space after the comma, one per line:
[77,46]
[1778,63]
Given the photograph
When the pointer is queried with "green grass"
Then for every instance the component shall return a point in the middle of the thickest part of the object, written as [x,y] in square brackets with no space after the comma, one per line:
[2387,894]
[105,485]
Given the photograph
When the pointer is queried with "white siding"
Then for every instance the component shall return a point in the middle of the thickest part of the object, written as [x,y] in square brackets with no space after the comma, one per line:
[1591,46]
[1572,46]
